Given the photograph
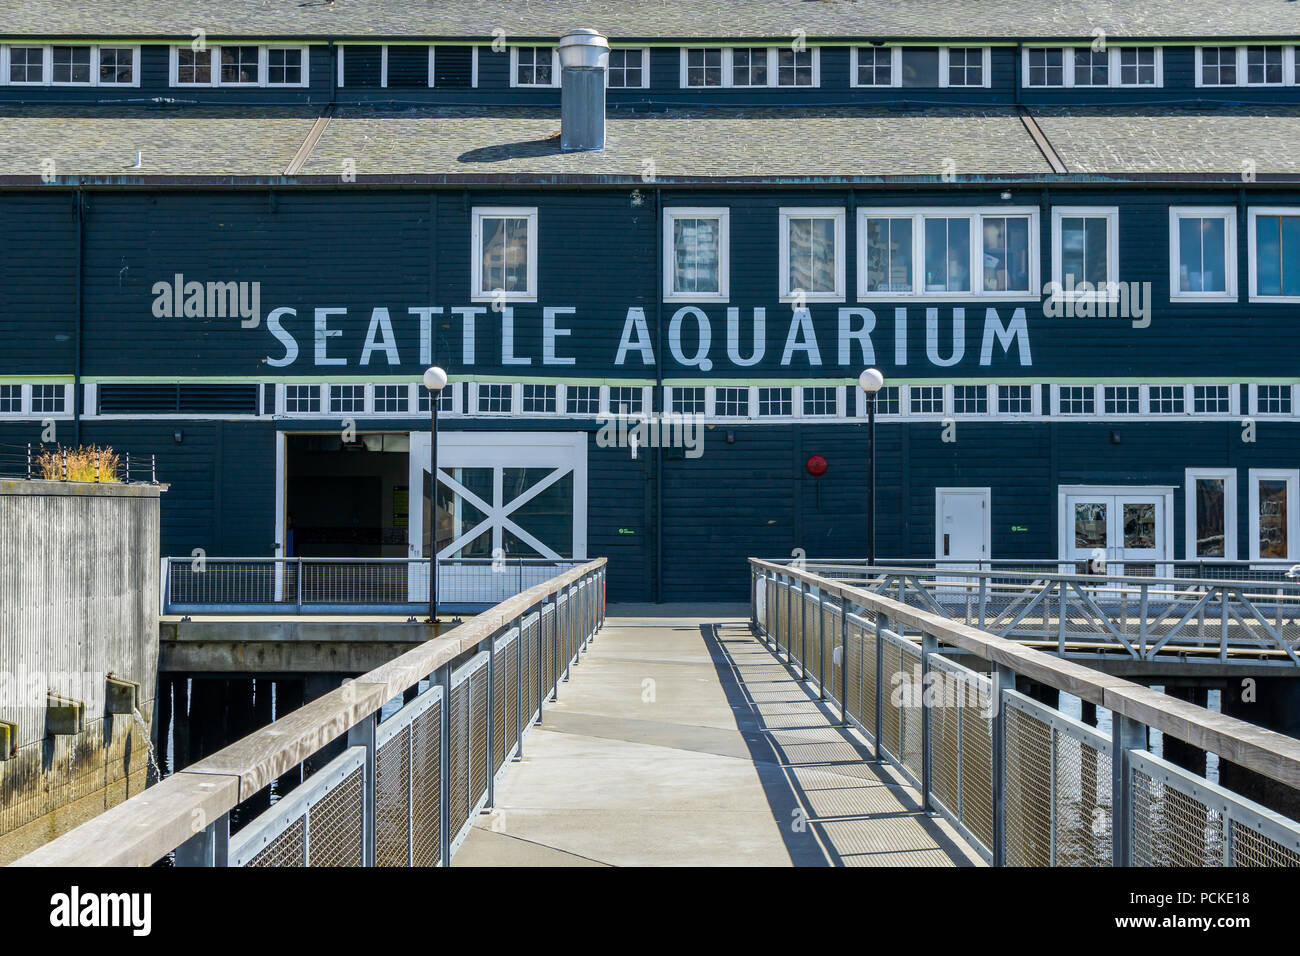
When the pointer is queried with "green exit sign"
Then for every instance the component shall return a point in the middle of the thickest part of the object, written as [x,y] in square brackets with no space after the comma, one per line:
[1019,528]
[627,531]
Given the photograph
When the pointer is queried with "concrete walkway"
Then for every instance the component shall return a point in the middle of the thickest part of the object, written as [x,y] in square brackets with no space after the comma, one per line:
[680,740]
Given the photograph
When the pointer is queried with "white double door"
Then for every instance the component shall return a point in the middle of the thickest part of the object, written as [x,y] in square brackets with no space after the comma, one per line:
[500,496]
[1129,527]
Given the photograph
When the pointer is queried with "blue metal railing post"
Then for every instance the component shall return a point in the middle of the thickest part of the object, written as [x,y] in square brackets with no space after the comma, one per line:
[1127,735]
[362,734]
[844,662]
[491,720]
[442,677]
[1000,679]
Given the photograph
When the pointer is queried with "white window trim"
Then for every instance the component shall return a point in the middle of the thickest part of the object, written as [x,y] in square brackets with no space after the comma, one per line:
[723,215]
[47,65]
[516,399]
[1113,75]
[950,401]
[1253,213]
[1254,401]
[1229,215]
[1229,477]
[263,82]
[645,69]
[835,213]
[976,215]
[606,400]
[728,72]
[1292,478]
[1111,214]
[514,68]
[264,72]
[943,69]
[1036,398]
[476,252]
[25,402]
[895,67]
[1243,75]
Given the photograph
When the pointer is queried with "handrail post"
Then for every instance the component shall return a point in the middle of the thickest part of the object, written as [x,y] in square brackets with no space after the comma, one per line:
[753,599]
[521,653]
[882,625]
[1000,678]
[844,662]
[929,647]
[821,645]
[362,734]
[1127,735]
[209,847]
[984,600]
[1143,604]
[300,584]
[491,721]
[442,676]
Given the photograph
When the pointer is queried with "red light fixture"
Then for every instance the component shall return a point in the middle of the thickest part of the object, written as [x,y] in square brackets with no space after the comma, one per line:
[816,466]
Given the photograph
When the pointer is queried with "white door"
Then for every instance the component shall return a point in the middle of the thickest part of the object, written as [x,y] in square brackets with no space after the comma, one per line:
[501,496]
[962,527]
[1129,529]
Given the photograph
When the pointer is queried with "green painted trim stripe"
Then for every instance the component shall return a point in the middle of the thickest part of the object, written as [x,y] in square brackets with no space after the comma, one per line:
[36,379]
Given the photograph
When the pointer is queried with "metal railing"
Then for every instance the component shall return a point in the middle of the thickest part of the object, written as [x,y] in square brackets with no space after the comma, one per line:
[1024,783]
[411,776]
[208,585]
[52,462]
[1103,616]
[1264,569]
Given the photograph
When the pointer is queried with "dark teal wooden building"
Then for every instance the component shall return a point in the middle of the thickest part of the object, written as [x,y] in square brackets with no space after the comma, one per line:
[236,234]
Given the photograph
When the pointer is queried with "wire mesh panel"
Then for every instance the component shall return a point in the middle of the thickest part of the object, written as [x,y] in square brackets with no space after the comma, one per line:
[814,618]
[402,779]
[549,652]
[891,728]
[532,661]
[287,849]
[1252,848]
[833,650]
[1082,797]
[513,701]
[458,755]
[961,756]
[393,800]
[426,785]
[1028,788]
[335,828]
[478,733]
[910,708]
[976,741]
[853,670]
[501,678]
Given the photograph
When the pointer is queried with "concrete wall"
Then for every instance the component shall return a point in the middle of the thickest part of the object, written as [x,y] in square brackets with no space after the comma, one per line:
[79,566]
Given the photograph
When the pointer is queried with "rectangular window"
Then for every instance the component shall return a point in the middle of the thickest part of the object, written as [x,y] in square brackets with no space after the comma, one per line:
[582,399]
[70,65]
[1211,399]
[919,67]
[812,254]
[888,400]
[820,400]
[1218,65]
[796,67]
[539,399]
[966,66]
[284,66]
[1006,254]
[239,65]
[1211,513]
[116,66]
[496,398]
[749,66]
[193,67]
[1122,399]
[505,254]
[534,66]
[1274,522]
[347,398]
[446,398]
[970,399]
[702,68]
[925,399]
[1273,399]
[1203,252]
[1263,66]
[1167,399]
[946,254]
[1274,253]
[626,399]
[1076,400]
[49,398]
[301,398]
[628,69]
[731,402]
[695,254]
[1139,66]
[1044,67]
[775,401]
[1015,399]
[1091,67]
[688,401]
[875,66]
[392,398]
[887,247]
[11,399]
[27,64]
[1085,249]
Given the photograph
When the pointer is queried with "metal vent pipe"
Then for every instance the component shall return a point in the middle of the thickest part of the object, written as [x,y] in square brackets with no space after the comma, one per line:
[584,56]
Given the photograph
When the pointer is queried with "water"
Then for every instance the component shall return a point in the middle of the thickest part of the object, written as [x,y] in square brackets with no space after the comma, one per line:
[153,753]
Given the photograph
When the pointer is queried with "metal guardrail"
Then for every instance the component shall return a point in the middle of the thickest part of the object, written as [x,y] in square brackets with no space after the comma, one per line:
[1104,616]
[53,462]
[208,585]
[1268,569]
[1023,782]
[405,789]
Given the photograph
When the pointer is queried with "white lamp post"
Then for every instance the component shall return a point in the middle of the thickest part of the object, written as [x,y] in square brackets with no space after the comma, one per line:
[435,380]
[871,381]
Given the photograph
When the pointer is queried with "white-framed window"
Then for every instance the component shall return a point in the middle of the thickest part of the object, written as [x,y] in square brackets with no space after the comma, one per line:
[1076,400]
[1214,399]
[812,254]
[1115,66]
[888,400]
[970,399]
[392,399]
[302,399]
[1274,236]
[50,399]
[449,400]
[534,66]
[1016,399]
[63,64]
[504,253]
[1216,65]
[696,253]
[1210,509]
[1167,399]
[1122,399]
[775,401]
[964,66]
[744,67]
[925,399]
[1254,65]
[945,253]
[1085,250]
[1202,252]
[731,401]
[629,68]
[241,65]
[687,400]
[494,398]
[539,399]
[626,399]
[11,398]
[347,399]
[1274,516]
[582,400]
[819,400]
[1272,399]
[41,400]
[874,66]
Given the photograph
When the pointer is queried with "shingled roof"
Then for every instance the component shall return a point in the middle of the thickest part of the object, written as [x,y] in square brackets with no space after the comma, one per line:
[657,19]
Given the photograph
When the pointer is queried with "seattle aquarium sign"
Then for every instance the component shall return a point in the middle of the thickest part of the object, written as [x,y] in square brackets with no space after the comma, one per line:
[694,337]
